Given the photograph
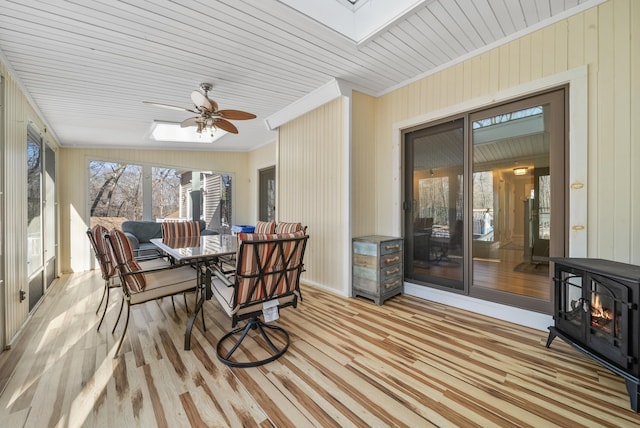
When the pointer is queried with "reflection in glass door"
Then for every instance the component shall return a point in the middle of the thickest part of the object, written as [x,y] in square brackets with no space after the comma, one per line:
[517,155]
[50,220]
[434,205]
[34,217]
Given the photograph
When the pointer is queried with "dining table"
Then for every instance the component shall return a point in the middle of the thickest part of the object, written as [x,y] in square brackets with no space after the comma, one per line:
[201,252]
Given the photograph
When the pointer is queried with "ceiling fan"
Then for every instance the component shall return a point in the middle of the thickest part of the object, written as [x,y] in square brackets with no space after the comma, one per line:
[208,116]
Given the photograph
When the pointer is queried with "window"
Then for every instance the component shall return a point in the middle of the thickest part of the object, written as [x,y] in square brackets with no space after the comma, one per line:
[115,190]
[117,193]
[165,192]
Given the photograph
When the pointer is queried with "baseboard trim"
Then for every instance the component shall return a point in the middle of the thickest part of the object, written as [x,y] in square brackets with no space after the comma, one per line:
[496,310]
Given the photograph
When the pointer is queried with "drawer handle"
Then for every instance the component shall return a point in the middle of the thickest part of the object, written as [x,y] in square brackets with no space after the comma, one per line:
[392,247]
[392,272]
[392,260]
[392,284]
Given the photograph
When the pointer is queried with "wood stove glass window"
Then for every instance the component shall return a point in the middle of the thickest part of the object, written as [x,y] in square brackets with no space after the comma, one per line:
[608,317]
[572,313]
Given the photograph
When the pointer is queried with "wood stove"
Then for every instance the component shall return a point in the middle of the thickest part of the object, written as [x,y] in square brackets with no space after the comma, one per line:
[597,312]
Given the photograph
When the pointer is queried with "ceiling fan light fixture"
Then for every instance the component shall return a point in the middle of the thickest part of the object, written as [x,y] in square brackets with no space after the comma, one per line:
[210,120]
[172,131]
[520,170]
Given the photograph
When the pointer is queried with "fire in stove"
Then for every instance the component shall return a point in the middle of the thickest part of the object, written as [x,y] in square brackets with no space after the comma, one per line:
[601,317]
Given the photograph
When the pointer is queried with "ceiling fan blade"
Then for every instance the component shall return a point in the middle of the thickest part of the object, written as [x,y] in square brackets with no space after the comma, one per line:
[192,121]
[236,114]
[201,101]
[170,107]
[224,125]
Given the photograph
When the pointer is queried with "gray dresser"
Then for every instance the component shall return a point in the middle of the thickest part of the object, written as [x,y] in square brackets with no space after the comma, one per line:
[377,272]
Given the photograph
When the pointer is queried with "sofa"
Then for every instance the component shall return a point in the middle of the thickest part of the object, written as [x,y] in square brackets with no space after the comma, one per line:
[140,234]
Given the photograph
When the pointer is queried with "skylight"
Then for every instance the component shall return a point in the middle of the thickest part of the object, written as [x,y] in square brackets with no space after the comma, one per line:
[359,20]
[171,131]
[352,4]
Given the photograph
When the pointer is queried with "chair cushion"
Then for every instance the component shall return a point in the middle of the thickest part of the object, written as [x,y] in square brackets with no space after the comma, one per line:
[174,229]
[126,262]
[224,295]
[103,248]
[166,282]
[265,227]
[283,227]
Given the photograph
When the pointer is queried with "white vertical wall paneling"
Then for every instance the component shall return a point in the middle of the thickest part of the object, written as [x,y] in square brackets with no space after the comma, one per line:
[634,113]
[17,113]
[592,59]
[622,130]
[311,182]
[606,193]
[15,212]
[363,193]
[347,178]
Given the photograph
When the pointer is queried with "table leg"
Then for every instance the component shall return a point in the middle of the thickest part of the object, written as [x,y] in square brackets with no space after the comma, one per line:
[204,288]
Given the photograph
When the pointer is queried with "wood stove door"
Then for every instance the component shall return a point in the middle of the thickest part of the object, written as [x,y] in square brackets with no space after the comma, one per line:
[608,318]
[571,309]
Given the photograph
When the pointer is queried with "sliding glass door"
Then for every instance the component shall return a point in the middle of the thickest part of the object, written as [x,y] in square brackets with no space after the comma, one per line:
[434,208]
[35,256]
[484,201]
[50,209]
[518,199]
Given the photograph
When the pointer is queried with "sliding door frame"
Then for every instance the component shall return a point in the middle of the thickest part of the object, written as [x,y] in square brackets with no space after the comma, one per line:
[560,154]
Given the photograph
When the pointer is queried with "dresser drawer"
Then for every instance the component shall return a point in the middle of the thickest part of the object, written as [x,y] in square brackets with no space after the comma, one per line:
[390,247]
[390,259]
[389,271]
[390,284]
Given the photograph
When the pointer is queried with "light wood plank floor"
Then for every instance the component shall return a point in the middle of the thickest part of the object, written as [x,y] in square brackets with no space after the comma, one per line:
[408,363]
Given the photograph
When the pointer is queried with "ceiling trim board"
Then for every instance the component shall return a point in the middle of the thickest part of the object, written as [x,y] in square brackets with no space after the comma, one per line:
[319,97]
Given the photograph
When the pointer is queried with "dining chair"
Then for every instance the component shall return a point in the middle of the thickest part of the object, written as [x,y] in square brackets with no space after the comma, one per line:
[142,285]
[265,281]
[102,250]
[97,238]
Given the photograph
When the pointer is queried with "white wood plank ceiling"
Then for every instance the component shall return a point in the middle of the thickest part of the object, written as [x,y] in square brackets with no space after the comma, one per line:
[89,64]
